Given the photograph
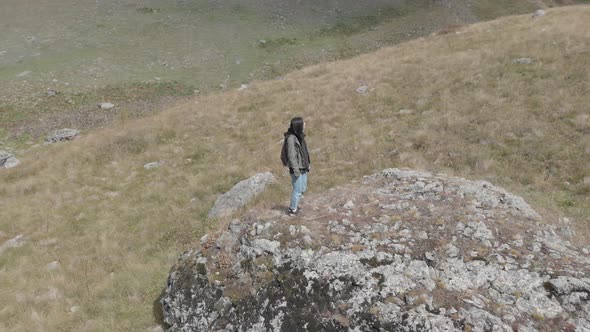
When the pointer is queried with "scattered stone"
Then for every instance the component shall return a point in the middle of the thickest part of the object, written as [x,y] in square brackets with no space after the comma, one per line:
[15,242]
[235,226]
[51,93]
[74,309]
[349,205]
[452,251]
[154,164]
[106,106]
[243,87]
[538,13]
[242,193]
[52,266]
[24,73]
[8,160]
[522,61]
[405,112]
[422,235]
[62,135]
[363,89]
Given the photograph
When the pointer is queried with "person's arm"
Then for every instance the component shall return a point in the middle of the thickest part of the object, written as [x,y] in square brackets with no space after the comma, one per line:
[292,155]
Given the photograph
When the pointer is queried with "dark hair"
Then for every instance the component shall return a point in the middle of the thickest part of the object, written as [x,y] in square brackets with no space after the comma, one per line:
[296,128]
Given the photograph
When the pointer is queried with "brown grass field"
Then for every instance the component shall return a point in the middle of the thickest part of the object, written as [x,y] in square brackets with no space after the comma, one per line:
[116,229]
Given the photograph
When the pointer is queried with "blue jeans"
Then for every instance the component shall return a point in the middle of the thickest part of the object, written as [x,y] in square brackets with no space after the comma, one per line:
[299,187]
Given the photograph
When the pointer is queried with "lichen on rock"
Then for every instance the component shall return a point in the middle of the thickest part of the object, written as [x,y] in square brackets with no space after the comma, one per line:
[416,251]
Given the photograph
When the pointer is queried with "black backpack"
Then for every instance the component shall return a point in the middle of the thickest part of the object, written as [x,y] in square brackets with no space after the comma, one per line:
[284,157]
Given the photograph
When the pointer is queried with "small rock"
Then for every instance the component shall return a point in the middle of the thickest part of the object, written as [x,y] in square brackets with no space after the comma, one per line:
[7,160]
[522,61]
[74,309]
[235,226]
[363,89]
[154,164]
[267,246]
[24,73]
[476,301]
[52,266]
[452,251]
[51,93]
[62,135]
[349,205]
[538,13]
[405,112]
[15,242]
[105,106]
[243,87]
[429,256]
[204,239]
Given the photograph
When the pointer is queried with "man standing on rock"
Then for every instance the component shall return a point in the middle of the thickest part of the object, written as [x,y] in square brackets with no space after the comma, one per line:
[295,155]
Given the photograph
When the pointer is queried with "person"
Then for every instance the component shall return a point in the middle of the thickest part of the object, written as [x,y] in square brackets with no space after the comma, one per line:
[298,161]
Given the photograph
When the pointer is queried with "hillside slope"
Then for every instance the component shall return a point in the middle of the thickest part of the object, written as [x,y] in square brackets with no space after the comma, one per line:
[139,55]
[454,102]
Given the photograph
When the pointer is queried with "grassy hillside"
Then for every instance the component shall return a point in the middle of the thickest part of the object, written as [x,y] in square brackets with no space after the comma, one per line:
[93,51]
[115,228]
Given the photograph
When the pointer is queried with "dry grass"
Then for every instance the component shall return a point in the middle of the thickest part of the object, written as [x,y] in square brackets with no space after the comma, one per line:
[116,229]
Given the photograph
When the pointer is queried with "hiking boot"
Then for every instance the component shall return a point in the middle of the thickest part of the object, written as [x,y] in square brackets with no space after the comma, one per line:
[292,213]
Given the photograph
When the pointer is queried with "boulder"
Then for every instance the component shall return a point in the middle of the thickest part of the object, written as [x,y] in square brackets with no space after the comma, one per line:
[331,269]
[62,135]
[242,193]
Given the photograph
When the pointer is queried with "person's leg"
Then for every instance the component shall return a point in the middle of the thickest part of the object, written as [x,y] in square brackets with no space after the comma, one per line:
[296,181]
[304,185]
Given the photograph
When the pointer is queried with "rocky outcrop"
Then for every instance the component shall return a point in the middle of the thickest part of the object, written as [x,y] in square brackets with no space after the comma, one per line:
[62,135]
[398,251]
[242,193]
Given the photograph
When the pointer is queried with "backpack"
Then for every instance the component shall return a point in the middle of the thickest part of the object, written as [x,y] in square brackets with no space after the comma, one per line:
[284,157]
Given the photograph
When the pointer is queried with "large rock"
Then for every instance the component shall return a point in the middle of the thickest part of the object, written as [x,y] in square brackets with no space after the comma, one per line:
[8,160]
[242,193]
[62,135]
[399,251]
